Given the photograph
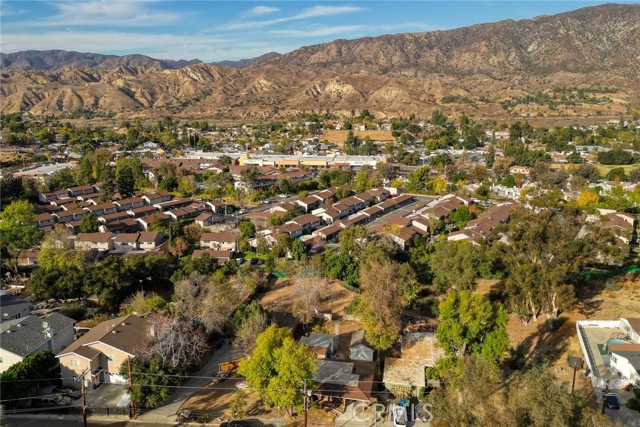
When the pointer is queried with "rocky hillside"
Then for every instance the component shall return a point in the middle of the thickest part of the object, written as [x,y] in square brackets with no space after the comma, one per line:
[505,69]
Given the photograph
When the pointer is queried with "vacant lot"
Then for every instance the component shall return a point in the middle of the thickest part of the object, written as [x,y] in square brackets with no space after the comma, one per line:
[603,169]
[338,137]
[281,294]
[594,302]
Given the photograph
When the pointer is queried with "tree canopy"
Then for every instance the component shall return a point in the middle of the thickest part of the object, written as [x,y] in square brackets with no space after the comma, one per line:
[471,325]
[278,367]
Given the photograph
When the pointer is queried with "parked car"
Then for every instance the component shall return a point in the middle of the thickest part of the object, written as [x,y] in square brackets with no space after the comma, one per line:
[186,415]
[235,424]
[74,394]
[612,401]
[284,196]
[239,261]
[265,201]
[242,211]
[62,400]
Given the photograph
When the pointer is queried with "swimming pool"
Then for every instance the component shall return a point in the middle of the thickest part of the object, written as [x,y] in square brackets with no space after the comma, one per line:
[617,342]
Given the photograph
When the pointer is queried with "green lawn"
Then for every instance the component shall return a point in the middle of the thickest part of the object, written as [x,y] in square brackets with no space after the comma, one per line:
[250,255]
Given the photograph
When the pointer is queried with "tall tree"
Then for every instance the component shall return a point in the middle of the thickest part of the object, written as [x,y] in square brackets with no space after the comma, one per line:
[545,251]
[278,367]
[198,299]
[17,231]
[309,291]
[471,325]
[382,300]
[126,181]
[177,343]
[454,264]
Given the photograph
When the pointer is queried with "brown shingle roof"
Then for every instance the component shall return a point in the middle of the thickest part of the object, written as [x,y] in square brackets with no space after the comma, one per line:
[126,238]
[126,333]
[225,236]
[93,237]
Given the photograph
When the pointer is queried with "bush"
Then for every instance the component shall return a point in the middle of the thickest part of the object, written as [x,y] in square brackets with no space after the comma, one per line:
[633,404]
[612,285]
[75,311]
[516,359]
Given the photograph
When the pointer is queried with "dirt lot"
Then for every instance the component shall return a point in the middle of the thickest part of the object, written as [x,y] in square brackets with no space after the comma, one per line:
[338,137]
[280,297]
[553,348]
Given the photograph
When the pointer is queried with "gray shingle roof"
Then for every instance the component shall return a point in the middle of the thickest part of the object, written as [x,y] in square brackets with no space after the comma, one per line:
[10,305]
[23,336]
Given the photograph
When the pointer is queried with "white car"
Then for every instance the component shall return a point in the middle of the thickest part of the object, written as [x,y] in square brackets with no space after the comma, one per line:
[284,196]
[399,413]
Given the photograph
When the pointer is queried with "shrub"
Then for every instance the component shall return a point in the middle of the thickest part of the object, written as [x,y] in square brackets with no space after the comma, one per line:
[612,285]
[633,404]
[516,359]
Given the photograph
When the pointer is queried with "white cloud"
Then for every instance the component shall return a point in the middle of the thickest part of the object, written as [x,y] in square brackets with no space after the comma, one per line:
[319,31]
[260,10]
[119,13]
[7,10]
[312,12]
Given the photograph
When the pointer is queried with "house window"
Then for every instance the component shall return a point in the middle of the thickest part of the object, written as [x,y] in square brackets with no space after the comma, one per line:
[75,362]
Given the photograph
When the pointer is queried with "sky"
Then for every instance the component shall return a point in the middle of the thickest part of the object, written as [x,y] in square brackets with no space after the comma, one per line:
[212,30]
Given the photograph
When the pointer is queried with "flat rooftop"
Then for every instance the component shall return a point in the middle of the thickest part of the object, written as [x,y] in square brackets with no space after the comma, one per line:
[595,339]
[44,170]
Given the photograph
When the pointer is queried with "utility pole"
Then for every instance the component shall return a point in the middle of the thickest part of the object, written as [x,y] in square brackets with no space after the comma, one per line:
[306,406]
[84,401]
[604,397]
[130,389]
[573,385]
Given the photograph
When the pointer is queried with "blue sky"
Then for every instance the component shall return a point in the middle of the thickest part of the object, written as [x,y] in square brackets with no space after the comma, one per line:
[217,30]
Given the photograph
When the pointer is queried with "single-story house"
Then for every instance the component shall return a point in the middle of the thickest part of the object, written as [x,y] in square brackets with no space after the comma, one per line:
[322,344]
[359,348]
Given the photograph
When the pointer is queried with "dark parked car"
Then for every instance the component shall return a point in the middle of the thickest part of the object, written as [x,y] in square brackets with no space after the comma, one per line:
[235,424]
[612,401]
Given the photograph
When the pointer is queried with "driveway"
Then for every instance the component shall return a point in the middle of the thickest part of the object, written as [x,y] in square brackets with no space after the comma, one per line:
[106,396]
[623,416]
[167,412]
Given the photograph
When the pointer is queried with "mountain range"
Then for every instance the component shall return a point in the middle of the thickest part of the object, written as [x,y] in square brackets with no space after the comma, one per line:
[504,69]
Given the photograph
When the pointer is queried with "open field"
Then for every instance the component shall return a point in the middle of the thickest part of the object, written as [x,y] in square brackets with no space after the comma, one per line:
[280,297]
[338,137]
[603,169]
